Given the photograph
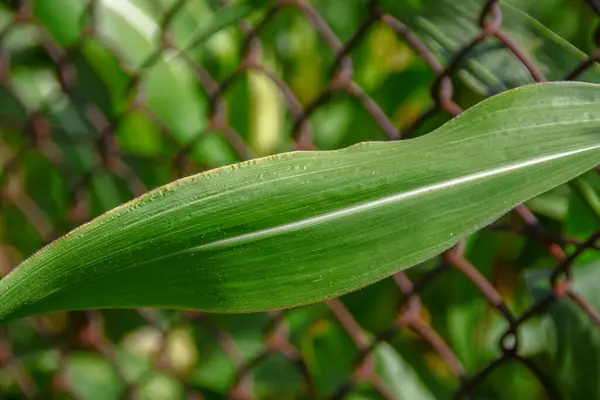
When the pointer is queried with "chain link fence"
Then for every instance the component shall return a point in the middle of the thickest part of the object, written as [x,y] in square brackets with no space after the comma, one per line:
[87,330]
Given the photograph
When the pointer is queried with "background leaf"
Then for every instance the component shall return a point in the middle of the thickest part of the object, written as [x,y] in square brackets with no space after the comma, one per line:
[574,334]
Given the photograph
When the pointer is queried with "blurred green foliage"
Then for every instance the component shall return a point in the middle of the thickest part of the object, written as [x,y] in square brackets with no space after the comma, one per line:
[163,109]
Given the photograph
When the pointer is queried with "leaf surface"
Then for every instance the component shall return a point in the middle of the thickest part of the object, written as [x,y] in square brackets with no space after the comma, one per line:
[576,339]
[446,26]
[300,227]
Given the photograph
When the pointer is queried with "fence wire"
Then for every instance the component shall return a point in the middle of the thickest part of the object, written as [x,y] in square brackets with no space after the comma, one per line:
[41,138]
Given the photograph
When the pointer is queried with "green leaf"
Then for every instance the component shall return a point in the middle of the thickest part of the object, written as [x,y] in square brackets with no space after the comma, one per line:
[300,227]
[136,33]
[399,376]
[92,377]
[329,354]
[161,386]
[221,19]
[132,35]
[446,26]
[575,353]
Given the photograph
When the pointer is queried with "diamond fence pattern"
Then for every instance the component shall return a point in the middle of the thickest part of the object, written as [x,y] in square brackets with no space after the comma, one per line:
[87,330]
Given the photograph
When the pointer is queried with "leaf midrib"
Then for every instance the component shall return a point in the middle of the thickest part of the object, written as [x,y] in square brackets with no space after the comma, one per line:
[333,215]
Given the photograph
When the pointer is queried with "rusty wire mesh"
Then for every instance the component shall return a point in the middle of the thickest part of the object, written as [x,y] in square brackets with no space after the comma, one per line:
[89,326]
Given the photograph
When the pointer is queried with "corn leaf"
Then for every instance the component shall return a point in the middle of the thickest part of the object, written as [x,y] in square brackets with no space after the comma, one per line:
[301,227]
